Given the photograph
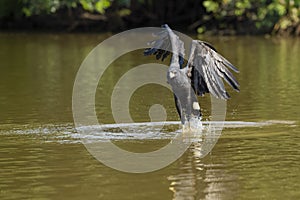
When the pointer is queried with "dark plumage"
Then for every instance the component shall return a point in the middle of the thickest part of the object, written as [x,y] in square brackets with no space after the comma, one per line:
[202,74]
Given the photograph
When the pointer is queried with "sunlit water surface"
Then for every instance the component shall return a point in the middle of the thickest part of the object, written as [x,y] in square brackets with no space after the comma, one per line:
[42,157]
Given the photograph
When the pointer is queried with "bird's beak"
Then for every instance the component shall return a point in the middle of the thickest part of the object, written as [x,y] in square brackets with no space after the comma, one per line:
[172,75]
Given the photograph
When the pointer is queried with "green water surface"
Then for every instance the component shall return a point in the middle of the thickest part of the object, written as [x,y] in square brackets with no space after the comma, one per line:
[39,159]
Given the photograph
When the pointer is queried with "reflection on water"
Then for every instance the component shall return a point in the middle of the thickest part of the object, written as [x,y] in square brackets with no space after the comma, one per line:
[199,180]
[41,156]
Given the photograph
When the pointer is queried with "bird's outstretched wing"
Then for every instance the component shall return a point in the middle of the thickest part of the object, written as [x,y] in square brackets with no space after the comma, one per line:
[167,43]
[207,68]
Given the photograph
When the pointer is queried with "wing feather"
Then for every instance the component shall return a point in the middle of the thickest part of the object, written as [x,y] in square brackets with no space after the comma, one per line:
[168,42]
[210,67]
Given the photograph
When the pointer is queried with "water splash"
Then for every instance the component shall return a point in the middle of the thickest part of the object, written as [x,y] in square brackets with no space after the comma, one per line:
[66,133]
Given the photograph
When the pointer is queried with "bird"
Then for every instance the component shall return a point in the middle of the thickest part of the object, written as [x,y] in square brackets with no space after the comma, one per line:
[204,72]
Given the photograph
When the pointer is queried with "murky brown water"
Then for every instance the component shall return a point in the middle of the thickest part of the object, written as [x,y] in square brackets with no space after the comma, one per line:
[41,159]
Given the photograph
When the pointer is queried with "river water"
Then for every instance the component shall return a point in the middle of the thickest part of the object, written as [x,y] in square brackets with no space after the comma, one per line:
[42,156]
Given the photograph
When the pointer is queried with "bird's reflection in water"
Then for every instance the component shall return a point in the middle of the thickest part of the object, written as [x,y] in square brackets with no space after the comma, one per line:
[202,178]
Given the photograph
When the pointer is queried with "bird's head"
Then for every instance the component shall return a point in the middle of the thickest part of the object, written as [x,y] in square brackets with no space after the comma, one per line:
[173,72]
